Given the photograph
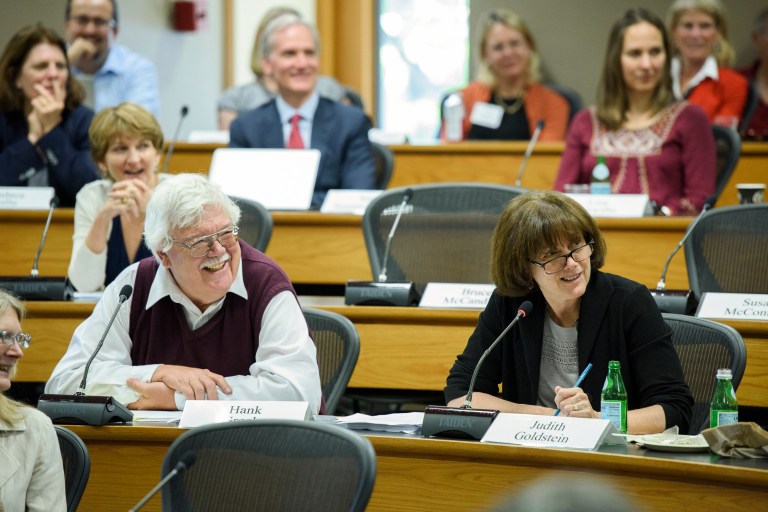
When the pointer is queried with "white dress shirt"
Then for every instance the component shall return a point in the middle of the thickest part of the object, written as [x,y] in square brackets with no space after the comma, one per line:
[707,70]
[285,367]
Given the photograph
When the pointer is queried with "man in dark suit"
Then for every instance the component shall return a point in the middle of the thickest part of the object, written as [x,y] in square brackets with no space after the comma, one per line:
[299,118]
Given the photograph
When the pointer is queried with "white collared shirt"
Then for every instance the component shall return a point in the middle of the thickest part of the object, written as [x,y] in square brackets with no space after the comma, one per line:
[707,70]
[285,367]
[306,111]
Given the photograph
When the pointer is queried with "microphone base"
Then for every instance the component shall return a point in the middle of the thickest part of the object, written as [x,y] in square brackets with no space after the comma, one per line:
[38,288]
[372,293]
[456,422]
[681,302]
[84,409]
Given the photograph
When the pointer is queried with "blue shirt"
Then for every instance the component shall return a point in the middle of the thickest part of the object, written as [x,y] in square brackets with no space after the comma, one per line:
[307,113]
[125,76]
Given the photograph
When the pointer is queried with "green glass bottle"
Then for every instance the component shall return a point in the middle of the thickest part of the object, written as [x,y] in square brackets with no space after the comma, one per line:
[724,409]
[613,404]
[601,178]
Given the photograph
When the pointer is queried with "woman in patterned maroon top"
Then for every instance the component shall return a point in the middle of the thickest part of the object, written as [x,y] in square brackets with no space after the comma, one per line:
[652,144]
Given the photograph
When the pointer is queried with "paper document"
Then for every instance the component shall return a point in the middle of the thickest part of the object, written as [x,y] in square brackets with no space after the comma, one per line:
[405,422]
[156,416]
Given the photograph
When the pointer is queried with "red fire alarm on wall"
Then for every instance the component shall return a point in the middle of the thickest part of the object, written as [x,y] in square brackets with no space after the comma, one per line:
[189,15]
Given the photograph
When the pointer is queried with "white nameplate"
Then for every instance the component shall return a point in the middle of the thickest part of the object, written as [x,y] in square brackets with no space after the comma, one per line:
[456,295]
[25,198]
[348,201]
[734,306]
[615,205]
[203,412]
[550,431]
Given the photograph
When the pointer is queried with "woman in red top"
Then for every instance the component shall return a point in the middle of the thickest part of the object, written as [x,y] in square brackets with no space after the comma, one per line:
[699,32]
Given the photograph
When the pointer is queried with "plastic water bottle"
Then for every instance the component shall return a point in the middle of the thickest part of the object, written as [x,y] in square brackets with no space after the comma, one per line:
[613,404]
[724,408]
[601,178]
[453,112]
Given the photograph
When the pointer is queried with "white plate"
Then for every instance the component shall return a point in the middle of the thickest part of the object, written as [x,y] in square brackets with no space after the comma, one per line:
[678,444]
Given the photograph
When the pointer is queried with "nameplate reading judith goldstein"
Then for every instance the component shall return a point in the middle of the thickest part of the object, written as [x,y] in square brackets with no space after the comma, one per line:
[548,431]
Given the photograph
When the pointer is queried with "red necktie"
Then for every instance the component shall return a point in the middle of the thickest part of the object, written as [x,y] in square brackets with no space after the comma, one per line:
[294,140]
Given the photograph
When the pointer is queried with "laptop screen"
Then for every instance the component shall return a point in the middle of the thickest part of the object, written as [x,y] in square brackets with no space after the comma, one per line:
[279,179]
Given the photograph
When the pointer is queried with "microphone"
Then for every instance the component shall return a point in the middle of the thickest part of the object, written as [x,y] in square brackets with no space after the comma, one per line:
[406,199]
[465,422]
[529,150]
[80,408]
[678,301]
[172,145]
[54,204]
[35,287]
[186,461]
[381,292]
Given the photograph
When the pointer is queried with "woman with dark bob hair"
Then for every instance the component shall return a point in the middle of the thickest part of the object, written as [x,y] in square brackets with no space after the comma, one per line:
[548,250]
[43,124]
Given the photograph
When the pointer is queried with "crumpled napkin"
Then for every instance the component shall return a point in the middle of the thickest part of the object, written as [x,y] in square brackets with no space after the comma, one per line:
[738,440]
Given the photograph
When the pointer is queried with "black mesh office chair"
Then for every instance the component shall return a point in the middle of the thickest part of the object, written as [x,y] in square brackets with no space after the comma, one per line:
[255,223]
[444,233]
[703,346]
[77,465]
[385,164]
[727,251]
[571,96]
[753,100]
[728,145]
[275,465]
[338,346]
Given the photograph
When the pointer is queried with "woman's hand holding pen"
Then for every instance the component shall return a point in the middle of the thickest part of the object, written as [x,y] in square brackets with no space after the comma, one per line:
[574,402]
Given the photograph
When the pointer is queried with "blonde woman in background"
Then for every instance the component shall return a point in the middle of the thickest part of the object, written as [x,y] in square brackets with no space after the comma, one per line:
[506,101]
[699,33]
[126,143]
[31,471]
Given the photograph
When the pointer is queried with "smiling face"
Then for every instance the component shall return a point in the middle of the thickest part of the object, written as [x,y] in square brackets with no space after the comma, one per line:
[695,35]
[506,53]
[293,63]
[642,58]
[45,65]
[566,287]
[9,321]
[131,157]
[206,279]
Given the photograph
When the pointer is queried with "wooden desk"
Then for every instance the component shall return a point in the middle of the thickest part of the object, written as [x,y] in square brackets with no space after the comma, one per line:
[433,474]
[494,162]
[404,348]
[316,248]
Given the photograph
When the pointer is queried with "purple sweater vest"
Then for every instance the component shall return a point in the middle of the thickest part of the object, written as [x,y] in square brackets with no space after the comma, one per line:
[227,343]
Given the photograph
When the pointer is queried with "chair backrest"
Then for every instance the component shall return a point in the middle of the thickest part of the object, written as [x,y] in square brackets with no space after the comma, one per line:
[384,160]
[353,98]
[571,96]
[703,346]
[338,346]
[255,223]
[728,145]
[726,251]
[276,465]
[750,107]
[77,465]
[444,233]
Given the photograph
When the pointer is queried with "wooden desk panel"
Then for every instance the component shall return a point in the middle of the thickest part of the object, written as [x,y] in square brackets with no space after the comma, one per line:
[494,162]
[434,474]
[402,348]
[315,248]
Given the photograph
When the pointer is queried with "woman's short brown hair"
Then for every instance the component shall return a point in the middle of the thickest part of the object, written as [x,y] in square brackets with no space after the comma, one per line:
[13,58]
[126,119]
[530,224]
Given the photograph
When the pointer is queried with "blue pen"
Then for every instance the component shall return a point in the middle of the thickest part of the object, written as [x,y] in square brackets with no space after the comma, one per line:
[579,381]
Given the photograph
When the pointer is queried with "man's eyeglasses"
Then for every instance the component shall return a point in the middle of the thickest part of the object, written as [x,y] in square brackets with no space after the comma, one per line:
[201,246]
[21,338]
[100,23]
[556,265]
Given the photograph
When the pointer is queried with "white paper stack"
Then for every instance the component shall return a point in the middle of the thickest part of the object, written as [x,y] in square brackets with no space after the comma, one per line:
[407,422]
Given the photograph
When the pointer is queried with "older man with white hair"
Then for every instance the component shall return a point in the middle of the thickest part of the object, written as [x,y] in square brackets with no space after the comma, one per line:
[210,317]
